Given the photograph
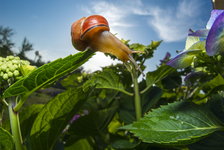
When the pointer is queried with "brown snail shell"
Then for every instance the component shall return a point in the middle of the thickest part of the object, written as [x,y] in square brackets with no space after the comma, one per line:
[93,32]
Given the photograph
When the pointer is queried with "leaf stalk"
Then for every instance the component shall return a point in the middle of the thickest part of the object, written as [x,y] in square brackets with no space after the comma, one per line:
[15,125]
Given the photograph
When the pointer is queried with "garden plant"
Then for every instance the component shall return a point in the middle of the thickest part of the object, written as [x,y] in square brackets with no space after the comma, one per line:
[180,105]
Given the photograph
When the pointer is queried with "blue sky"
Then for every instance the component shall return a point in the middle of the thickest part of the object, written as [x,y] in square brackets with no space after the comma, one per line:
[47,23]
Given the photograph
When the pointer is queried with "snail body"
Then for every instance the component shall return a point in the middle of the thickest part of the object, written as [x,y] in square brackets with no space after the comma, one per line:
[93,32]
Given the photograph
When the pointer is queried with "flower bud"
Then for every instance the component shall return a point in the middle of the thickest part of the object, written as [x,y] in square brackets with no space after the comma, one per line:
[5,76]
[26,69]
[16,73]
[3,67]
[10,74]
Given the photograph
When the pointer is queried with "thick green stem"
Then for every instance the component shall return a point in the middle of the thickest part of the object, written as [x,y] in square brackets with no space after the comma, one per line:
[15,126]
[138,108]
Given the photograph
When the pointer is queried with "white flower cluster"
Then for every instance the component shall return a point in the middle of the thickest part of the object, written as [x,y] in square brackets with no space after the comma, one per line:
[10,67]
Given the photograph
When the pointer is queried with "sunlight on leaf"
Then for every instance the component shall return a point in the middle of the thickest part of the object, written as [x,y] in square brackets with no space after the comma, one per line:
[54,117]
[47,74]
[107,79]
[178,123]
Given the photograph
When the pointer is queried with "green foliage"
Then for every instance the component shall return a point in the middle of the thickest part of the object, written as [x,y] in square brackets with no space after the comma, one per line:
[178,123]
[125,144]
[158,75]
[108,79]
[94,106]
[47,74]
[6,140]
[93,123]
[54,117]
[81,144]
[213,142]
[147,49]
[27,117]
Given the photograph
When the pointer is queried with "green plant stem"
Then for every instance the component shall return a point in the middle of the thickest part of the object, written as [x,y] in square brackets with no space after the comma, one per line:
[138,108]
[15,125]
[20,103]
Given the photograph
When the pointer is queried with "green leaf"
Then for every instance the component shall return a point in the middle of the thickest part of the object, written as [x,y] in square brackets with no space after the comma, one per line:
[92,123]
[217,81]
[150,99]
[54,117]
[213,142]
[6,140]
[47,74]
[124,144]
[81,144]
[107,79]
[148,50]
[178,123]
[157,75]
[27,117]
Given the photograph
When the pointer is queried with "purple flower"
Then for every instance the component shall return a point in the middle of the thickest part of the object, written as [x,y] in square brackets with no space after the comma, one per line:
[215,39]
[184,59]
[75,117]
[214,42]
[199,33]
[214,14]
[166,58]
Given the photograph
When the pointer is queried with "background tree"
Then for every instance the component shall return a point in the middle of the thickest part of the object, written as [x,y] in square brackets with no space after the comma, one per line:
[6,46]
[5,41]
[26,47]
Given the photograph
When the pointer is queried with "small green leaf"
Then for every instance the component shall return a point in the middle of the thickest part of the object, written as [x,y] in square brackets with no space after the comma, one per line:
[150,99]
[216,81]
[213,142]
[81,144]
[157,75]
[54,117]
[47,74]
[27,117]
[92,123]
[124,144]
[6,140]
[178,123]
[107,79]
[147,49]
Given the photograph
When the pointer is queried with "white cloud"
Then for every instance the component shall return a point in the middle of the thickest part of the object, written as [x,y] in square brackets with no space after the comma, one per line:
[117,13]
[114,14]
[98,61]
[172,24]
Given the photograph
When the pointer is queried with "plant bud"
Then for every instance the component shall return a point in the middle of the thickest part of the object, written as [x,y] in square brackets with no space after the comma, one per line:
[16,73]
[10,57]
[10,74]
[16,58]
[3,67]
[15,61]
[5,76]
[26,69]
[1,74]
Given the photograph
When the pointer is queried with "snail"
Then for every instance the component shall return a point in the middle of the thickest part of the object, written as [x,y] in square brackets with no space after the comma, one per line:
[93,32]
